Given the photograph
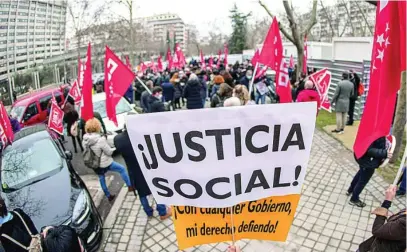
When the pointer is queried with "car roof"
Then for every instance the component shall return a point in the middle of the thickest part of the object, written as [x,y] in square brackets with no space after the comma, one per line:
[36,95]
[26,131]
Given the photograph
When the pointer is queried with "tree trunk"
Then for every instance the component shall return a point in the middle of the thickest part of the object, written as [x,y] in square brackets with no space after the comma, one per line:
[300,59]
[400,119]
[131,34]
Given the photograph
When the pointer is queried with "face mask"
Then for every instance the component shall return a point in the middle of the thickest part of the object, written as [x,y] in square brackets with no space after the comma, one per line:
[249,77]
[159,96]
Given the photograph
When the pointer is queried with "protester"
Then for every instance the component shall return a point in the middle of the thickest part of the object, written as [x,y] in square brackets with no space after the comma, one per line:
[354,78]
[225,91]
[71,118]
[204,87]
[261,91]
[124,147]
[300,85]
[129,95]
[168,91]
[217,80]
[387,236]
[247,79]
[192,92]
[309,94]
[155,103]
[61,238]
[144,97]
[177,94]
[98,144]
[16,230]
[240,92]
[340,101]
[96,115]
[228,79]
[371,160]
[15,125]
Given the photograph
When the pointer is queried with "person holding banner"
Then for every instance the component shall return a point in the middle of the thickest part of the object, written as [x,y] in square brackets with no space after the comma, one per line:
[389,233]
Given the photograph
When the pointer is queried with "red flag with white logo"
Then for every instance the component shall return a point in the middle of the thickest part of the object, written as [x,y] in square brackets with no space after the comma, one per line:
[255,58]
[6,131]
[292,64]
[388,61]
[169,59]
[322,81]
[86,104]
[261,72]
[117,77]
[283,87]
[203,65]
[81,68]
[180,55]
[272,52]
[56,117]
[226,50]
[175,61]
[160,64]
[304,62]
[75,93]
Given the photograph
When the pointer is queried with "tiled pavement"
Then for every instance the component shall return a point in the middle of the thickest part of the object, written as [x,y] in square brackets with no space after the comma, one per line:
[324,220]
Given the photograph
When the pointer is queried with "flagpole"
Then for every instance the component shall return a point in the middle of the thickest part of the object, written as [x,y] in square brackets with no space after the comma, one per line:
[252,80]
[144,85]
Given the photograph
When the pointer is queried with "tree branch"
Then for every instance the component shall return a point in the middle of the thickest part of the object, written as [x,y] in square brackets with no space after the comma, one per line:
[329,19]
[350,20]
[292,21]
[313,20]
[280,26]
[364,17]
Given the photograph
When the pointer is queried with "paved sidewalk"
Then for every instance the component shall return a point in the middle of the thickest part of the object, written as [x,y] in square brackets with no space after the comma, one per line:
[324,220]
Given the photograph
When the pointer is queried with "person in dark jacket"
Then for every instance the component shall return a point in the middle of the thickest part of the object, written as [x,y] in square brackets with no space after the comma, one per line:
[168,91]
[62,239]
[300,86]
[354,78]
[155,102]
[145,95]
[204,87]
[387,236]
[246,79]
[97,116]
[371,160]
[225,92]
[15,125]
[11,225]
[192,92]
[177,94]
[124,147]
[70,118]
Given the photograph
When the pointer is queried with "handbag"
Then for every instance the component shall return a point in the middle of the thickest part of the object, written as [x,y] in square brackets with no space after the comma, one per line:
[74,129]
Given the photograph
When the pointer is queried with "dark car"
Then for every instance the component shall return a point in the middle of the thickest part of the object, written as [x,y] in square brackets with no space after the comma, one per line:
[37,176]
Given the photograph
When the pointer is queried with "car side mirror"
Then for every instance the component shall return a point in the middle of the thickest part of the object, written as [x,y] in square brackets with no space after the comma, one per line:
[68,155]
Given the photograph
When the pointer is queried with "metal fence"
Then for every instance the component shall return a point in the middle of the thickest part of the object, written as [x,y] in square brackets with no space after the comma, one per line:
[337,68]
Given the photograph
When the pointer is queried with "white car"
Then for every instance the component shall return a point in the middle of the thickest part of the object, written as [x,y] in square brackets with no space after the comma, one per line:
[123,108]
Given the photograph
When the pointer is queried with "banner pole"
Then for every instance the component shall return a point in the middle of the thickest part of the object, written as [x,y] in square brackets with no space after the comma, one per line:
[402,163]
[252,80]
[233,226]
[144,85]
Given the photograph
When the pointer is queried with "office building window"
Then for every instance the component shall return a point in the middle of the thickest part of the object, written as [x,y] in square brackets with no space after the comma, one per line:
[21,54]
[3,34]
[23,7]
[11,41]
[41,21]
[23,13]
[20,20]
[3,27]
[21,47]
[3,12]
[11,27]
[3,42]
[11,34]
[5,20]
[32,14]
[32,21]
[20,61]
[40,27]
[4,5]
[21,40]
[12,20]
[39,39]
[21,33]
[21,27]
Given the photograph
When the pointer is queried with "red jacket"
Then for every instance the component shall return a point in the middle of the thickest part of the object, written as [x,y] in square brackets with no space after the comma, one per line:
[309,95]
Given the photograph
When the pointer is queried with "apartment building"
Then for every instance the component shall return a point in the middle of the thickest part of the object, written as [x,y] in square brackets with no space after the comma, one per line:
[30,31]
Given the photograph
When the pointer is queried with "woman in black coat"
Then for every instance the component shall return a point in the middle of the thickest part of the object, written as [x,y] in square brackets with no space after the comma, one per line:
[70,118]
[192,92]
[12,226]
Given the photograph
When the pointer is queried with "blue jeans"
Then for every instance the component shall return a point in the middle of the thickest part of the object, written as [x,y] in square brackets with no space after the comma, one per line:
[261,98]
[114,167]
[161,209]
[203,102]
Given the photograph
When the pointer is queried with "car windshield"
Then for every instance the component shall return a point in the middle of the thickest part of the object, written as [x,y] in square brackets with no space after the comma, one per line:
[17,112]
[122,107]
[27,162]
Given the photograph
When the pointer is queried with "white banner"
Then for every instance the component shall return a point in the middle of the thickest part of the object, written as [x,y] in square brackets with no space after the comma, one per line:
[224,156]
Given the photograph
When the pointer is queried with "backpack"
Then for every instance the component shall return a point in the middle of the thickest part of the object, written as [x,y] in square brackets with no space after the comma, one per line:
[35,244]
[90,159]
[361,89]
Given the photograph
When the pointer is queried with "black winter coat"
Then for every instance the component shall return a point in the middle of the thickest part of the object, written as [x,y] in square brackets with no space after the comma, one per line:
[15,229]
[192,92]
[155,105]
[245,81]
[124,147]
[374,155]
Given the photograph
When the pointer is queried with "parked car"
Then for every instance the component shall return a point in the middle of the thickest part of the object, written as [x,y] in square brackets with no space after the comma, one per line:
[123,108]
[31,109]
[38,177]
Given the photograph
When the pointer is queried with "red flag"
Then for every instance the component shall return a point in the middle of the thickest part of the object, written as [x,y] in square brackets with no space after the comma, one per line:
[128,62]
[169,59]
[180,55]
[292,64]
[388,61]
[159,64]
[143,67]
[218,63]
[304,62]
[322,81]
[226,50]
[153,67]
[175,61]
[261,72]
[6,131]
[255,58]
[210,62]
[86,104]
[56,116]
[75,93]
[203,65]
[117,77]
[81,68]
[272,52]
[283,87]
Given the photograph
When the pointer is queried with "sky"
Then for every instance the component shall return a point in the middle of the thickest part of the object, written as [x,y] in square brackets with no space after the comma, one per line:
[202,13]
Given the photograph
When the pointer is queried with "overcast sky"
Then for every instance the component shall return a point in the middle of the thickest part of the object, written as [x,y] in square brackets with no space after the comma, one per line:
[203,13]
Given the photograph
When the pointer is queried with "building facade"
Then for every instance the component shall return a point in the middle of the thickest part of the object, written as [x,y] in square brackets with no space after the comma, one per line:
[30,31]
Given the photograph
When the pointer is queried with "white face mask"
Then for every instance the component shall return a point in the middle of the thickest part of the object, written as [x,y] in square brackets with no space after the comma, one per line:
[159,97]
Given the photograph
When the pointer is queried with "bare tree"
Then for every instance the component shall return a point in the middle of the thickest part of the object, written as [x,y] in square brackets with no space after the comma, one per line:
[256,31]
[296,36]
[130,8]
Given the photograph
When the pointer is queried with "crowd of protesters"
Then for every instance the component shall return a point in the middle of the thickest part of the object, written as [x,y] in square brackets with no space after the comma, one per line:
[194,87]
